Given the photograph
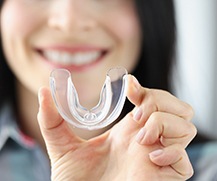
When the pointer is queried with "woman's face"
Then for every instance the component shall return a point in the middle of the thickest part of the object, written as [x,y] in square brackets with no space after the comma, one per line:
[86,37]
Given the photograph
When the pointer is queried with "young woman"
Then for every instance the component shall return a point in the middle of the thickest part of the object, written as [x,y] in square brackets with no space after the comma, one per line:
[88,38]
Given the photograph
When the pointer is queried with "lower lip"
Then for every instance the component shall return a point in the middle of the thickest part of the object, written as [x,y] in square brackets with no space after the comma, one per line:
[73,67]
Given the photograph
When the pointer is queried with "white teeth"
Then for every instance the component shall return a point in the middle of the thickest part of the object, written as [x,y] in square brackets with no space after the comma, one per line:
[69,59]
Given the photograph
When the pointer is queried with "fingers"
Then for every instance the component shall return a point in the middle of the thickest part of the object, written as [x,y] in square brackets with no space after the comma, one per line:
[148,101]
[55,131]
[176,158]
[171,129]
[162,115]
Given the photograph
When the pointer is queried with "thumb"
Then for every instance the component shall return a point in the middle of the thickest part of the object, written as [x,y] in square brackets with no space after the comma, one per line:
[134,92]
[57,134]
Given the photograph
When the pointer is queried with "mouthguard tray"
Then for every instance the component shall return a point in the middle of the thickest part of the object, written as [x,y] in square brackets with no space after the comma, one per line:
[109,107]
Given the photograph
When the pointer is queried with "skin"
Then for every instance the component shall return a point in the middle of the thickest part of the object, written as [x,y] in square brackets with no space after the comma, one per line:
[116,154]
[77,25]
[68,24]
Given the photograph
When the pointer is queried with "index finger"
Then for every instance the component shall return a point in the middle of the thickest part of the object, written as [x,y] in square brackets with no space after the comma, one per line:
[152,100]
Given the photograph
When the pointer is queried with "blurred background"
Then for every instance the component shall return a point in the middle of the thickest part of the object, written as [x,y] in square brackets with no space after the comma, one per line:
[195,72]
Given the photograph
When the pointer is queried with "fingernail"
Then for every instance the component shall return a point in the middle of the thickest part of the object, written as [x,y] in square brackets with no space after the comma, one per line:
[140,135]
[156,153]
[138,114]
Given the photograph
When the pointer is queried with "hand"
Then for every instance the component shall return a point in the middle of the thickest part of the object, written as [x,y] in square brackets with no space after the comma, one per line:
[116,154]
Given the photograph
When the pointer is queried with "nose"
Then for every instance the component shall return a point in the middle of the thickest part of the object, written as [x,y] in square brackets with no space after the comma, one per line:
[69,15]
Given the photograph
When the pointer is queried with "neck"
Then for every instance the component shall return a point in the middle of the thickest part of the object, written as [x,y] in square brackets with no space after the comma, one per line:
[27,109]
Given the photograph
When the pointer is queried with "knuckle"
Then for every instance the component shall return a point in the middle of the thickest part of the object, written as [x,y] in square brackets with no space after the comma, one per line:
[150,100]
[154,119]
[189,173]
[189,112]
[193,130]
[179,149]
[155,116]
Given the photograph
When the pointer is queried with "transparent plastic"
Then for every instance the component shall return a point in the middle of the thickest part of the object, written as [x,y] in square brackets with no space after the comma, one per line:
[109,107]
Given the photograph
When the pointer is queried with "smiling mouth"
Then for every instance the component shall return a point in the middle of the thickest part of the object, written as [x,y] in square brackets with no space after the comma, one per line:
[74,59]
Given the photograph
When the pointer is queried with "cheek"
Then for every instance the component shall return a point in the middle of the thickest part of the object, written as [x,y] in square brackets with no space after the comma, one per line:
[17,19]
[17,26]
[124,22]
[126,30]
[128,35]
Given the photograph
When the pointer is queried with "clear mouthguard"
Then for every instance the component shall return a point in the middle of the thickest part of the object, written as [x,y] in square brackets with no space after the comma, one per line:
[109,107]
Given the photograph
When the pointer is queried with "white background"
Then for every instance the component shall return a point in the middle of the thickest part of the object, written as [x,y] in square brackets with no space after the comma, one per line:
[195,75]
